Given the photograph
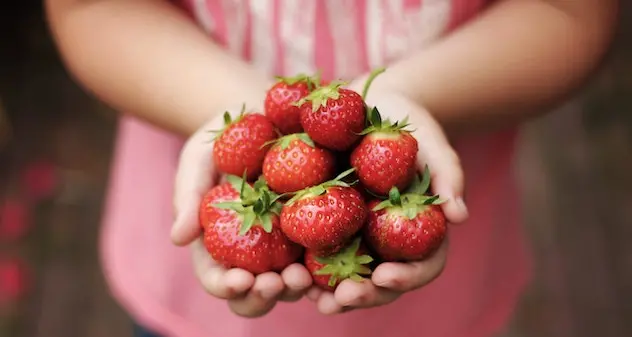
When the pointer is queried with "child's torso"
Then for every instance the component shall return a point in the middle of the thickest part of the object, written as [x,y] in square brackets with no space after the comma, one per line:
[340,38]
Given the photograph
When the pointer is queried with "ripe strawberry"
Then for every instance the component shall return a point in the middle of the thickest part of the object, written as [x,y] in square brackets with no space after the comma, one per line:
[279,102]
[349,263]
[295,163]
[406,227]
[220,193]
[239,147]
[336,115]
[386,156]
[245,232]
[324,217]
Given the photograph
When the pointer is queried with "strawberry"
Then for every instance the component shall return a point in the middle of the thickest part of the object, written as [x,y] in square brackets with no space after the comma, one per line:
[240,146]
[349,263]
[295,163]
[324,217]
[406,227]
[245,233]
[220,193]
[279,102]
[336,115]
[386,156]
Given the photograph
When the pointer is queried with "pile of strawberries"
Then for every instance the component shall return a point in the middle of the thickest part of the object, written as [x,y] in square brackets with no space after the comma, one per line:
[319,178]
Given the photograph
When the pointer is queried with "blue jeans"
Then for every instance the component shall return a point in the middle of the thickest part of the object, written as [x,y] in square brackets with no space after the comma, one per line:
[140,331]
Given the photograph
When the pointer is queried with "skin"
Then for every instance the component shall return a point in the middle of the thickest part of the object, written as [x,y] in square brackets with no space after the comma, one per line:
[147,40]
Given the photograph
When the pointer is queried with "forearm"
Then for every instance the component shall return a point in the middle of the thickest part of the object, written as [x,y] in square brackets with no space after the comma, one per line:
[518,59]
[146,58]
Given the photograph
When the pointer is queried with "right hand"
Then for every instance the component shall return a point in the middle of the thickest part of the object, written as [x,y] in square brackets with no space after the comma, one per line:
[247,295]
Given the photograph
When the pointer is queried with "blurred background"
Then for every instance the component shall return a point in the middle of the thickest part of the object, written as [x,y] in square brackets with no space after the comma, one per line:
[574,166]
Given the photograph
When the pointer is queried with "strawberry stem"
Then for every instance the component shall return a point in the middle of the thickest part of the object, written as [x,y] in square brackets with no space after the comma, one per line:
[374,73]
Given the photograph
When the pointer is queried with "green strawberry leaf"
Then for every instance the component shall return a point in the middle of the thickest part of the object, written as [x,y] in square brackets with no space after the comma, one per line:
[375,119]
[317,190]
[410,211]
[425,181]
[382,205]
[345,264]
[394,196]
[326,270]
[248,222]
[306,139]
[364,259]
[354,277]
[266,223]
[260,184]
[227,118]
[235,182]
[321,95]
[344,174]
[259,207]
[230,205]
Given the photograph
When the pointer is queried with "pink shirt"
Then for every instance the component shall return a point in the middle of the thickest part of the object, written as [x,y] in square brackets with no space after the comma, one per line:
[487,265]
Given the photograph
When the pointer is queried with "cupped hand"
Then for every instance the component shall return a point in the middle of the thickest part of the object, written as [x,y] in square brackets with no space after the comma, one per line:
[390,280]
[247,295]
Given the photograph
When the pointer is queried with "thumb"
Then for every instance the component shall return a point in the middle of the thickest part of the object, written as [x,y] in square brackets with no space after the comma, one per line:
[195,175]
[446,174]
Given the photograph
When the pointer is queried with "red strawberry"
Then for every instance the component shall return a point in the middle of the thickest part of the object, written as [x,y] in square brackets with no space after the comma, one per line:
[406,227]
[245,232]
[280,99]
[349,263]
[220,193]
[324,217]
[386,156]
[239,147]
[336,115]
[295,163]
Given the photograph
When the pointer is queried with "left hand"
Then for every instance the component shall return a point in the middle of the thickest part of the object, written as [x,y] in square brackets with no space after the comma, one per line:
[390,280]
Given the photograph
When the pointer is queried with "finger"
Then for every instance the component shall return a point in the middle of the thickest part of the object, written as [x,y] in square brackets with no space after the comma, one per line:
[218,281]
[327,304]
[447,178]
[404,277]
[261,299]
[363,294]
[195,176]
[297,280]
[313,293]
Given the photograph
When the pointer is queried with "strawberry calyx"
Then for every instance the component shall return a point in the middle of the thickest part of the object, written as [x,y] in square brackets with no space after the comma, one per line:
[345,265]
[321,95]
[228,120]
[256,203]
[378,125]
[322,188]
[312,82]
[285,141]
[413,201]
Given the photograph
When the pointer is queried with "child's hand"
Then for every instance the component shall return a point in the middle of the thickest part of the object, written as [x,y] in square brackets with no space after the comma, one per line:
[247,295]
[390,280]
